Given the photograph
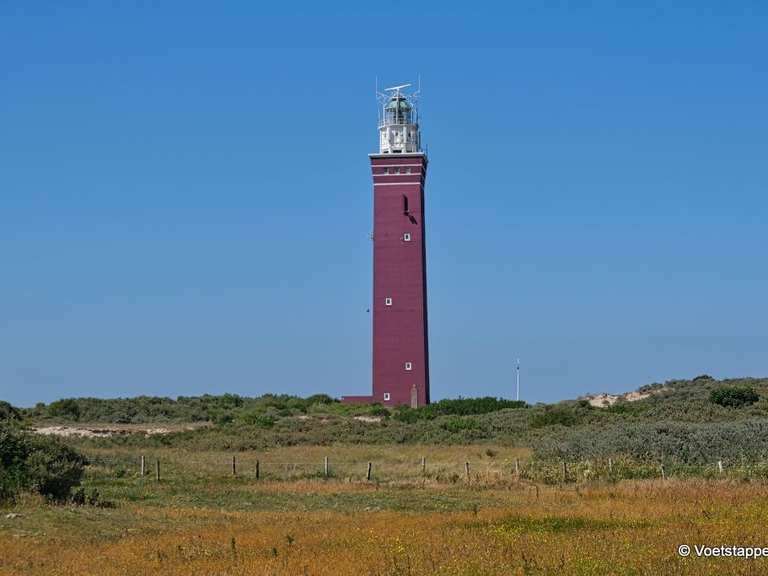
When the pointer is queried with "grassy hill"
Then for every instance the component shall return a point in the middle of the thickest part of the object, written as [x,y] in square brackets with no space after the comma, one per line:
[678,420]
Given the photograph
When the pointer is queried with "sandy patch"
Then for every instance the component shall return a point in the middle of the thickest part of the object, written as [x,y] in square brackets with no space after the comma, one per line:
[108,431]
[605,400]
[369,419]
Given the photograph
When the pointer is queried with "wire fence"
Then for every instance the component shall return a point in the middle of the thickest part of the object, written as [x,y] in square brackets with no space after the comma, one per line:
[251,466]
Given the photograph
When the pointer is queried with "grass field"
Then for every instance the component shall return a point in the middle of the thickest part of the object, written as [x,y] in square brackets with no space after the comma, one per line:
[200,519]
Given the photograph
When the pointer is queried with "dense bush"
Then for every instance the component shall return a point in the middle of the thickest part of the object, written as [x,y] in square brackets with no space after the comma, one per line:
[456,407]
[13,455]
[677,441]
[734,396]
[145,409]
[459,423]
[554,415]
[67,408]
[42,464]
[53,468]
[8,412]
[257,418]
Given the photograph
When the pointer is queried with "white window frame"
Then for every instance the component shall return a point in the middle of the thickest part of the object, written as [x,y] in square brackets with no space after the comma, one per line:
[408,366]
[407,237]
[386,396]
[387,301]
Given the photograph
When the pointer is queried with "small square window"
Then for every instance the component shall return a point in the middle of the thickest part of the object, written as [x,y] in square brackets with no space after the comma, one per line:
[408,170]
[386,396]
[408,366]
[407,237]
[388,301]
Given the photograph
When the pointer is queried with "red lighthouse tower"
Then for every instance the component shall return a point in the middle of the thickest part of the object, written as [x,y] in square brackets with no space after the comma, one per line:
[400,348]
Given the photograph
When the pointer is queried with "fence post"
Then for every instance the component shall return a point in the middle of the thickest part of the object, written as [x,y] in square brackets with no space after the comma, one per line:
[423,465]
[325,467]
[157,469]
[565,471]
[720,466]
[517,467]
[368,473]
[257,469]
[234,466]
[663,474]
[143,466]
[466,469]
[610,466]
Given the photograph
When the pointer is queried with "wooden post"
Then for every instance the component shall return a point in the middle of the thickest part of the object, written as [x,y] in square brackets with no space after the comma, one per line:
[157,469]
[423,465]
[610,466]
[720,466]
[257,470]
[517,467]
[368,473]
[143,466]
[466,469]
[663,474]
[325,467]
[234,466]
[565,472]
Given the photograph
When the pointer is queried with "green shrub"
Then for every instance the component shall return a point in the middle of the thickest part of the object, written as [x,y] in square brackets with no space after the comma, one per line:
[8,412]
[53,468]
[257,418]
[456,407]
[734,396]
[13,453]
[457,424]
[42,464]
[207,408]
[552,416]
[690,443]
[67,408]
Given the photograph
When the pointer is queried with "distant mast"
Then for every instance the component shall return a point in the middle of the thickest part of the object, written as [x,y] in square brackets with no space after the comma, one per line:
[517,379]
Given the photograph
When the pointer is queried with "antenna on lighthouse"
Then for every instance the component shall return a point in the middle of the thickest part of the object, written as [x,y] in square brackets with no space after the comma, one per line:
[398,120]
[517,381]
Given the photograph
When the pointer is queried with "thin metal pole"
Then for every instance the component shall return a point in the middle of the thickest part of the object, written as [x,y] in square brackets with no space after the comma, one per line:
[517,379]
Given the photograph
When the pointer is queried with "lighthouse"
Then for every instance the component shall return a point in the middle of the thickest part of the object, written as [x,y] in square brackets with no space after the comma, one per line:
[400,368]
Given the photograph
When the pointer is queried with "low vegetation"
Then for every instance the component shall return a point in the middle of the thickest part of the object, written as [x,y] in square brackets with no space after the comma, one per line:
[201,519]
[460,487]
[734,396]
[39,464]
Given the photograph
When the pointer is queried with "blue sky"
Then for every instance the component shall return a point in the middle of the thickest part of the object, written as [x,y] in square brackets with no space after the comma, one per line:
[185,197]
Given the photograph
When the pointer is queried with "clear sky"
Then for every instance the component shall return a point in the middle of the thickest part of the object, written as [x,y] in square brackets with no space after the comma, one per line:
[185,196]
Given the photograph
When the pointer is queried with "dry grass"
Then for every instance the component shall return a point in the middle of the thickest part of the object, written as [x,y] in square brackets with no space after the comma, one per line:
[344,528]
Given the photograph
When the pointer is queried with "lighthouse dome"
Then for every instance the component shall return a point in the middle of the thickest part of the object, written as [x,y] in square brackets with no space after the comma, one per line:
[398,103]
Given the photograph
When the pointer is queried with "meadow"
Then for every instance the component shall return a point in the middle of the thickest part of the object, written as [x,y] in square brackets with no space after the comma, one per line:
[279,485]
[200,518]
